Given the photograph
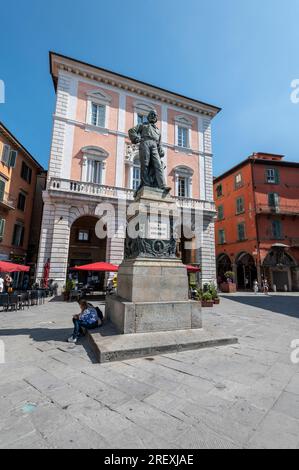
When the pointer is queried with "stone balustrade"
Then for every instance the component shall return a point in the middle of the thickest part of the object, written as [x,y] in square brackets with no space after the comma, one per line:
[60,185]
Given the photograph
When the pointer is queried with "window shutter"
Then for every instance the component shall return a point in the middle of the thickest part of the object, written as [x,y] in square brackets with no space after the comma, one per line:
[271,199]
[14,236]
[2,228]
[277,178]
[22,236]
[5,154]
[221,237]
[12,158]
[2,190]
[241,231]
[276,229]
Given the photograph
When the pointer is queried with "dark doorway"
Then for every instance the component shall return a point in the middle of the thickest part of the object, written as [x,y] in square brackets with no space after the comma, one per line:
[246,271]
[85,248]
[223,266]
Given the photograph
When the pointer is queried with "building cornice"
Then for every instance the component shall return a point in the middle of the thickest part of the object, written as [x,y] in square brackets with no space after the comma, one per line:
[100,75]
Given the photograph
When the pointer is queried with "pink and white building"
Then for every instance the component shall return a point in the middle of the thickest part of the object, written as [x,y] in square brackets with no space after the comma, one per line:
[92,160]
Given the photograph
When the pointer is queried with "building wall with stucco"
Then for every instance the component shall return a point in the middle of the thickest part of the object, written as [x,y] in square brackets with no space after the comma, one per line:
[77,141]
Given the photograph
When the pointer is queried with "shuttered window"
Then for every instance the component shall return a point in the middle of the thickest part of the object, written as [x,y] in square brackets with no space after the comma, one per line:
[21,201]
[18,235]
[9,156]
[2,189]
[12,158]
[240,205]
[221,237]
[2,228]
[220,213]
[26,172]
[5,154]
[273,199]
[276,229]
[219,190]
[241,232]
[272,176]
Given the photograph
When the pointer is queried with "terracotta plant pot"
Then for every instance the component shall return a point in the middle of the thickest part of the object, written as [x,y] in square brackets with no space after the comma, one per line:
[207,303]
[228,287]
[216,301]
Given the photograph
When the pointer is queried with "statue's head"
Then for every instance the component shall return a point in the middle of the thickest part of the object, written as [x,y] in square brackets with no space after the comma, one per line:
[152,117]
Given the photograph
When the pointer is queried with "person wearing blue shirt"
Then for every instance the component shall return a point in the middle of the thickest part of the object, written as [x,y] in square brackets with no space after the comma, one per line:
[88,318]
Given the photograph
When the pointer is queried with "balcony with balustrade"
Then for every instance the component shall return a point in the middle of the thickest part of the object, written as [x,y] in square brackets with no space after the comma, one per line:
[282,209]
[69,189]
[7,202]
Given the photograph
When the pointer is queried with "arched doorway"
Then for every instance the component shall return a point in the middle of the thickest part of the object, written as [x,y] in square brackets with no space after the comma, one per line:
[280,269]
[223,266]
[246,271]
[84,248]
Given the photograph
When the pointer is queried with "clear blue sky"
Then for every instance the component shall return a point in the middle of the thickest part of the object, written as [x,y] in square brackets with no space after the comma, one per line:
[240,55]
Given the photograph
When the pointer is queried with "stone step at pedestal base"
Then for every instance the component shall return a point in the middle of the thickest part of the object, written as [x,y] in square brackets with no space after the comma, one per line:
[109,346]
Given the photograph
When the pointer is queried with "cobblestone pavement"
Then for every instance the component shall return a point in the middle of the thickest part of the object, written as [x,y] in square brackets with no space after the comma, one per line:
[52,395]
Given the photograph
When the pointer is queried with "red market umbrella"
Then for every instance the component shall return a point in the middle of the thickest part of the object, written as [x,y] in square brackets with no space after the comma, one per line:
[100,266]
[192,269]
[6,267]
[46,274]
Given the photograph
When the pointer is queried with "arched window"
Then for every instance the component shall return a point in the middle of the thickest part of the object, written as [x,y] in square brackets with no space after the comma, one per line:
[94,165]
[183,181]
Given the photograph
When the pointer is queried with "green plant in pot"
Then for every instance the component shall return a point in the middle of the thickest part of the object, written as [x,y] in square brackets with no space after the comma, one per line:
[207,299]
[215,295]
[69,286]
[229,276]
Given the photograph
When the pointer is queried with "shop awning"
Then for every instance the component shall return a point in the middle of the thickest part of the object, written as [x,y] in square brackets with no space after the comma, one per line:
[6,267]
[100,266]
[192,269]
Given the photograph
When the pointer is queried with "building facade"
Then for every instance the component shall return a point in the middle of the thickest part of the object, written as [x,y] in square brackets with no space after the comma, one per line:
[257,228]
[19,174]
[92,162]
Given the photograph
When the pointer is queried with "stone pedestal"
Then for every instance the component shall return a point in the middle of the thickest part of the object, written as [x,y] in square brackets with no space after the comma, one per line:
[152,281]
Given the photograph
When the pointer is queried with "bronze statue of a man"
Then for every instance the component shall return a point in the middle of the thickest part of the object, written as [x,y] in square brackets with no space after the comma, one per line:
[150,152]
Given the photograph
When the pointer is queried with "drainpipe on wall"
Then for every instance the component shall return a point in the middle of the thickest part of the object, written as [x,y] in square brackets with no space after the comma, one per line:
[258,263]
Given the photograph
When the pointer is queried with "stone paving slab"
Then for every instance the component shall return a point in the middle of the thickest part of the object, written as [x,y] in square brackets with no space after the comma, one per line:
[245,395]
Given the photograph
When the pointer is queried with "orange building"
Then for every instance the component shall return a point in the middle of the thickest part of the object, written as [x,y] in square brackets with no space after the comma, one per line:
[257,227]
[19,177]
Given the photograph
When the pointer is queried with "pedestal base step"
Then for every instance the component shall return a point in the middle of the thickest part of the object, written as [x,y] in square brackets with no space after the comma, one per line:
[109,346]
[146,317]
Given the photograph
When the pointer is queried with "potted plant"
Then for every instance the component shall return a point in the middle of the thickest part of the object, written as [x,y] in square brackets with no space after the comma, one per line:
[229,286]
[198,295]
[70,285]
[207,300]
[215,296]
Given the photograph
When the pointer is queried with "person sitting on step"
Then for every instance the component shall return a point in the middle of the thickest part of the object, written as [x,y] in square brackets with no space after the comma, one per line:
[88,318]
